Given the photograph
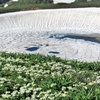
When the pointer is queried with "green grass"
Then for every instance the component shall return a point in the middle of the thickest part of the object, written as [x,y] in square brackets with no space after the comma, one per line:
[38,77]
[31,5]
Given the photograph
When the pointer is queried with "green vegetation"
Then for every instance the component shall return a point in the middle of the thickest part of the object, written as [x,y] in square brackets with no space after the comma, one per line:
[45,4]
[36,77]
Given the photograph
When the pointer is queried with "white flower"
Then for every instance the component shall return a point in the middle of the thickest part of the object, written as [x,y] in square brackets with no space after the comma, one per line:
[3,79]
[7,92]
[98,81]
[22,90]
[63,94]
[33,97]
[27,91]
[51,98]
[59,73]
[44,97]
[58,94]
[69,87]
[85,87]
[25,79]
[48,91]
[75,85]
[38,89]
[28,98]
[53,84]
[52,68]
[82,83]
[98,77]
[53,75]
[5,95]
[14,93]
[63,88]
[28,84]
[91,83]
[19,77]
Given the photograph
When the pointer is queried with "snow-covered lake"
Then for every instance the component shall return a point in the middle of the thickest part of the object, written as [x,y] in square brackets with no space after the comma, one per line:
[66,33]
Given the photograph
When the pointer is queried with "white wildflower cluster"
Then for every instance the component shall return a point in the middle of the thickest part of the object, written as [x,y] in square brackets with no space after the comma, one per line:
[30,80]
[5,95]
[53,84]
[13,59]
[2,58]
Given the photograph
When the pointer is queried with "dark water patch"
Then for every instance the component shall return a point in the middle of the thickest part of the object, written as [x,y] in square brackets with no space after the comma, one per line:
[54,52]
[47,45]
[91,39]
[32,48]
[60,37]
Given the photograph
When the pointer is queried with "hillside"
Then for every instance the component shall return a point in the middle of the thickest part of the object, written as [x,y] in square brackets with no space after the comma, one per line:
[28,1]
[26,76]
[43,4]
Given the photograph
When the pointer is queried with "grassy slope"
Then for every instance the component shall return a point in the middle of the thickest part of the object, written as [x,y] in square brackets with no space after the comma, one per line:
[36,77]
[31,77]
[26,5]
